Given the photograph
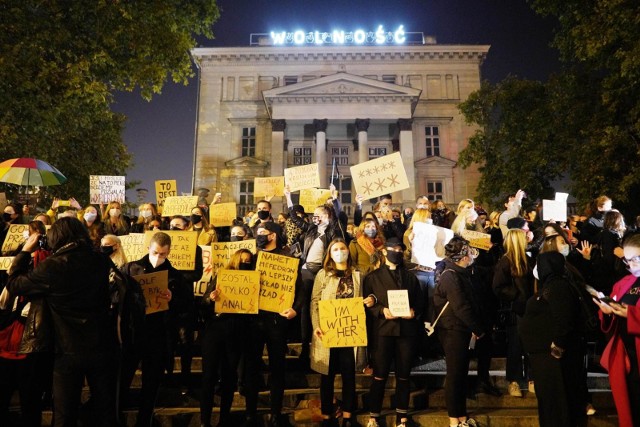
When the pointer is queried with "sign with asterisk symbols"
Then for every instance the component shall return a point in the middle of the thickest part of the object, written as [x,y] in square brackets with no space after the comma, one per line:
[380,176]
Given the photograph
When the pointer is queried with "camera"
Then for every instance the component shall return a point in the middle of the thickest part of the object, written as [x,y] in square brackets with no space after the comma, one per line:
[42,242]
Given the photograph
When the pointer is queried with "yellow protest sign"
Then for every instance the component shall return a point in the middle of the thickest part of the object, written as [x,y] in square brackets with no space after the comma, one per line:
[343,322]
[477,239]
[268,187]
[301,177]
[133,246]
[221,252]
[15,237]
[311,198]
[201,285]
[380,176]
[154,285]
[106,189]
[179,205]
[238,291]
[183,247]
[278,275]
[165,188]
[222,214]
[5,262]
[3,201]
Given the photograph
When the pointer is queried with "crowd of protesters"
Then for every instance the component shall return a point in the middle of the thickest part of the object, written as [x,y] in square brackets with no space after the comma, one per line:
[542,283]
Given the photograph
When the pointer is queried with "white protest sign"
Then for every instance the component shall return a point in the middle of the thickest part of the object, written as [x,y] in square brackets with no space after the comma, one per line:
[555,209]
[301,177]
[106,189]
[399,302]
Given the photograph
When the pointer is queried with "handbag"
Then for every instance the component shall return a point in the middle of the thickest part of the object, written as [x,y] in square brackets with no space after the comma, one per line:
[10,338]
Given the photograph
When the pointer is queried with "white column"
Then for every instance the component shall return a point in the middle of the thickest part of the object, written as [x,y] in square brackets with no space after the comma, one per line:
[407,196]
[321,149]
[362,126]
[277,152]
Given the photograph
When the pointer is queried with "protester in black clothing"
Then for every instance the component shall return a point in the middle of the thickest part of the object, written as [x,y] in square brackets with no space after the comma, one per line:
[74,282]
[592,228]
[395,337]
[460,325]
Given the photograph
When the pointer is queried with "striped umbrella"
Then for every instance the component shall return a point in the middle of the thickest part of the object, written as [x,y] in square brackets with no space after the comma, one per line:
[27,171]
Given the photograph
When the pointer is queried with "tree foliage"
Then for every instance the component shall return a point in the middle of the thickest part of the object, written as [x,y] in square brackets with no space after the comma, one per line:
[60,62]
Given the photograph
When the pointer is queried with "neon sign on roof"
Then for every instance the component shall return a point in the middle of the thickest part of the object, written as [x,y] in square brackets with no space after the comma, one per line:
[339,37]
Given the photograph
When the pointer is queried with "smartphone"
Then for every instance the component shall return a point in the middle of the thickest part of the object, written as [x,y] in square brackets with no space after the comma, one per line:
[64,203]
[608,300]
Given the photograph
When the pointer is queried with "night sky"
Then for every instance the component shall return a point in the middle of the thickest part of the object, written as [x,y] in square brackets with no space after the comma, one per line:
[160,133]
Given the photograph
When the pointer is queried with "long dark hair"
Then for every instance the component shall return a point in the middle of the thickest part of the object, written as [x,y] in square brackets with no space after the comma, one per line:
[67,230]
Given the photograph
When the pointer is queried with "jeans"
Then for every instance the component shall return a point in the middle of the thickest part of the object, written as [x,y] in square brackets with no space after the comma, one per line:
[401,350]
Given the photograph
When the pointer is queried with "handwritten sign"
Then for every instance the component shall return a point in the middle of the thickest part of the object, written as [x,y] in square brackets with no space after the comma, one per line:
[380,176]
[165,188]
[343,322]
[5,262]
[302,177]
[221,252]
[201,285]
[477,239]
[133,246]
[15,237]
[105,189]
[239,291]
[222,214]
[153,286]
[311,198]
[182,253]
[267,187]
[399,302]
[179,205]
[278,275]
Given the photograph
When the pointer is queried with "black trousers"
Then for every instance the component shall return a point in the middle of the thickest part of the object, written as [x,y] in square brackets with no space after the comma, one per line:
[269,329]
[222,344]
[456,353]
[305,315]
[342,361]
[181,342]
[388,349]
[517,360]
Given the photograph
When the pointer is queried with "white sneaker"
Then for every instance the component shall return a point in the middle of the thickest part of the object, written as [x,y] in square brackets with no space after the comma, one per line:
[532,387]
[514,389]
[590,409]
[469,423]
[372,423]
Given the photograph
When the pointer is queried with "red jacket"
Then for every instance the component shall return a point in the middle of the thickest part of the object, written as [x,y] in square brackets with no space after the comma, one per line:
[614,358]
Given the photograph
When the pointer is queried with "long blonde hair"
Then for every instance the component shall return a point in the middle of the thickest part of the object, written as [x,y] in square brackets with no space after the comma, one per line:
[118,256]
[420,215]
[515,245]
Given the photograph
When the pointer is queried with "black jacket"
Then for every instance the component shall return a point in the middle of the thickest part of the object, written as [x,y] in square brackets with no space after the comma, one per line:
[516,290]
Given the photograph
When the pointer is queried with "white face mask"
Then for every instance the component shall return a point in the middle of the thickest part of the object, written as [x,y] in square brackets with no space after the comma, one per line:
[340,256]
[145,214]
[380,221]
[565,250]
[90,216]
[114,212]
[155,260]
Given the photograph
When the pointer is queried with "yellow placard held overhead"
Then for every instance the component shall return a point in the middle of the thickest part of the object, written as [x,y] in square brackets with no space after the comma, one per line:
[301,177]
[5,262]
[15,237]
[343,322]
[221,252]
[165,188]
[222,214]
[239,291]
[182,253]
[106,189]
[133,246]
[477,239]
[311,198]
[179,205]
[278,274]
[380,176]
[268,187]
[154,286]
[201,285]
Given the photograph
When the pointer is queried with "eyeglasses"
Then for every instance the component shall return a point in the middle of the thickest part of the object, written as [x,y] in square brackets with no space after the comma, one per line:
[632,260]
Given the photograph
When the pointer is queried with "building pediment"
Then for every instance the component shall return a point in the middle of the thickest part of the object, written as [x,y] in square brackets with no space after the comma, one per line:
[435,162]
[246,161]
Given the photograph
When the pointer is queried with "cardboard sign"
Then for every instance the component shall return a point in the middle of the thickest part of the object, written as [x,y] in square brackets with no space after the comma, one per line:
[343,322]
[153,286]
[311,198]
[165,188]
[3,201]
[477,239]
[278,274]
[15,237]
[302,177]
[239,291]
[106,189]
[133,246]
[179,205]
[399,302]
[268,187]
[221,252]
[222,214]
[183,247]
[380,176]
[5,262]
[201,285]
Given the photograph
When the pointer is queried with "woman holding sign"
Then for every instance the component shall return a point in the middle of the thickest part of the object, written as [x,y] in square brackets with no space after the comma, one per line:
[338,279]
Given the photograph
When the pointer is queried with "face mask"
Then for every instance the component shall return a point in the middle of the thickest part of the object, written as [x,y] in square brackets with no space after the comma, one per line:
[114,212]
[236,238]
[195,219]
[245,266]
[262,241]
[370,232]
[339,256]
[174,228]
[380,221]
[155,260]
[263,215]
[315,220]
[90,216]
[6,217]
[145,214]
[107,250]
[247,219]
[565,250]
[395,257]
[25,234]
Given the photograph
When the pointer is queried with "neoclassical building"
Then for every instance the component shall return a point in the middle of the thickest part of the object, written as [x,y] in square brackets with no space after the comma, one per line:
[266,108]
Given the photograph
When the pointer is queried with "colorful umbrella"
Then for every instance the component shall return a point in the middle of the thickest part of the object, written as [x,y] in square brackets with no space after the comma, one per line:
[26,171]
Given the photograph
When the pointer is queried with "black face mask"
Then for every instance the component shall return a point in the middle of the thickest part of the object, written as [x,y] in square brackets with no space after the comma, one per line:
[107,250]
[263,215]
[195,219]
[262,241]
[245,266]
[6,217]
[174,228]
[236,238]
[395,257]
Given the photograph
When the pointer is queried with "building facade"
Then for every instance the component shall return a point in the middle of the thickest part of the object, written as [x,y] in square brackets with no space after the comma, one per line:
[266,108]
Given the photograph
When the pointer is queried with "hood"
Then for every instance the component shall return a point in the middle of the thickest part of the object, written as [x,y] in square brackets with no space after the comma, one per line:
[550,264]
